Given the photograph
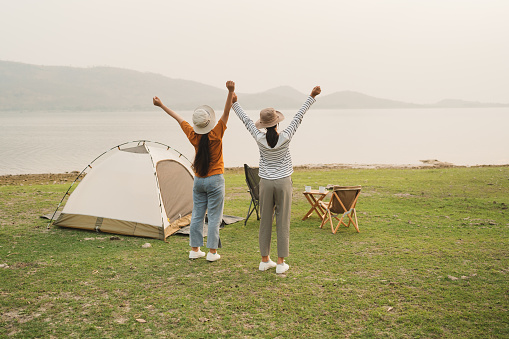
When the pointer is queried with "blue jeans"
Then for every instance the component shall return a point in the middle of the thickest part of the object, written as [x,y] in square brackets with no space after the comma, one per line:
[208,194]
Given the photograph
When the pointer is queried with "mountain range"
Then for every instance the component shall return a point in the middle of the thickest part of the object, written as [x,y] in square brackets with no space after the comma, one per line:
[34,87]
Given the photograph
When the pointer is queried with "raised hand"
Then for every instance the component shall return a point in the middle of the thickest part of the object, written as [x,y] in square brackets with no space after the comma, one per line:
[234,98]
[317,90]
[230,85]
[157,101]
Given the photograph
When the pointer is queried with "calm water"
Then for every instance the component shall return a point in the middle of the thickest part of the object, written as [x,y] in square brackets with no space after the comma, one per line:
[42,142]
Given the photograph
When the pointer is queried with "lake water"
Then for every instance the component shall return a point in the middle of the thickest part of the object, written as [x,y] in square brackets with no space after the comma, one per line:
[43,142]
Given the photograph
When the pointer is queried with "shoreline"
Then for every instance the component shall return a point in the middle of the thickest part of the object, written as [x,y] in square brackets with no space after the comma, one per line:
[69,177]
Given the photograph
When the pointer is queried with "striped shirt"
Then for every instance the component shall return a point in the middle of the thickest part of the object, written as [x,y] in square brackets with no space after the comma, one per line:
[275,163]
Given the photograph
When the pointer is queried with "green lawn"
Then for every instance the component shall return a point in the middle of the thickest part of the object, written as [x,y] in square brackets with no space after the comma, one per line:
[431,261]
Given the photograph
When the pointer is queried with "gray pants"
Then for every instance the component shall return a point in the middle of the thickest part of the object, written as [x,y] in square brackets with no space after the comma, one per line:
[275,196]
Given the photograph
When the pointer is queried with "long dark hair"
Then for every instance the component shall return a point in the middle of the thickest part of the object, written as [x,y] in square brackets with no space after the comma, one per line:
[272,136]
[202,159]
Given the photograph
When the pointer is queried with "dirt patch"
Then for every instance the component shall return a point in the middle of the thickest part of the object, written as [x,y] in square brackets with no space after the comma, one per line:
[432,163]
[405,195]
[23,265]
[37,179]
[62,178]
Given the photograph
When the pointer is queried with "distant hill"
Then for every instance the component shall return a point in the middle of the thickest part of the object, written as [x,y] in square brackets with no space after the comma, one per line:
[349,99]
[30,87]
[33,87]
[453,103]
[283,97]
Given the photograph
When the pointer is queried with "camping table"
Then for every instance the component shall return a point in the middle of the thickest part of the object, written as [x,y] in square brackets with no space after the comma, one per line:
[315,203]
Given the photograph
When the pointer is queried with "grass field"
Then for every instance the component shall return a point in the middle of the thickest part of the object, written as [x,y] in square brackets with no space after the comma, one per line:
[431,261]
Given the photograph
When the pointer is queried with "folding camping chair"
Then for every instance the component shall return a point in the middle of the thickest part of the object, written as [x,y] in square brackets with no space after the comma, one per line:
[253,182]
[342,202]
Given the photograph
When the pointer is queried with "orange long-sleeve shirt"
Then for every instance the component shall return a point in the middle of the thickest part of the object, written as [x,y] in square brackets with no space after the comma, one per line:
[215,144]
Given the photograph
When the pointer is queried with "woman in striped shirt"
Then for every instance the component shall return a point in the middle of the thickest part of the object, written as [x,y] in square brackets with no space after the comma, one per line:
[275,177]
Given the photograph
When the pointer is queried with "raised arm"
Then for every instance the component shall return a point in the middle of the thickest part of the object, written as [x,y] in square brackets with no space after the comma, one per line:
[159,103]
[297,119]
[228,105]
[255,132]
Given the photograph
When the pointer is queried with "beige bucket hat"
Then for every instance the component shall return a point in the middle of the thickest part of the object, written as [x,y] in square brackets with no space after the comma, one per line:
[204,119]
[269,117]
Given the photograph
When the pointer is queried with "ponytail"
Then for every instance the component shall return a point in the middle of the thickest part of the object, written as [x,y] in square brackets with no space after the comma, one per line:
[202,159]
[272,136]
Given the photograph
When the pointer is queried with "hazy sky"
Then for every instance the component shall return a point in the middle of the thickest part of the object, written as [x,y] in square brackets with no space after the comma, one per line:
[413,50]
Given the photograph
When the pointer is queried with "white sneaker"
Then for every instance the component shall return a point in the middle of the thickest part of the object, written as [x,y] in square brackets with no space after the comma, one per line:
[266,265]
[196,255]
[282,268]
[213,257]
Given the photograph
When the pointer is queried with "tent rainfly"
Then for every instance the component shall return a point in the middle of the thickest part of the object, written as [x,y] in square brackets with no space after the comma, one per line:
[141,190]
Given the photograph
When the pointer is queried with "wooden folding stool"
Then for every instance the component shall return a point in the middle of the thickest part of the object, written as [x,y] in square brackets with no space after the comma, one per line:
[342,202]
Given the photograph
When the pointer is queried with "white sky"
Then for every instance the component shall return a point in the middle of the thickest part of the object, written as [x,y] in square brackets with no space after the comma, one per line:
[413,50]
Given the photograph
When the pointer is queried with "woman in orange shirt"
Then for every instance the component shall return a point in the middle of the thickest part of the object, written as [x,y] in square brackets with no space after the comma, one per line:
[208,191]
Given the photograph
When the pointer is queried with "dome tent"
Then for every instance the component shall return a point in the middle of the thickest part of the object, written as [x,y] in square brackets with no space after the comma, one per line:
[140,188]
